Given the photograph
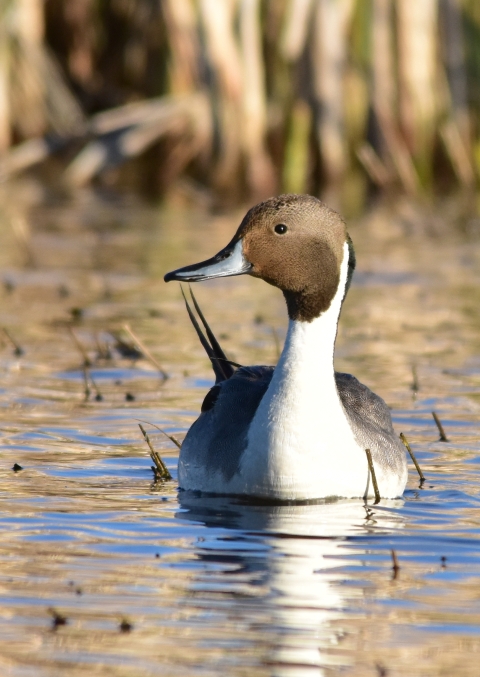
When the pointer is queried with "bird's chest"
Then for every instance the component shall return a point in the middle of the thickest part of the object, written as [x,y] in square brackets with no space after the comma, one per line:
[300,441]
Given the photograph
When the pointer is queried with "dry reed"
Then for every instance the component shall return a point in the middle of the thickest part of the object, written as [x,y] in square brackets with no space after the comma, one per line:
[247,97]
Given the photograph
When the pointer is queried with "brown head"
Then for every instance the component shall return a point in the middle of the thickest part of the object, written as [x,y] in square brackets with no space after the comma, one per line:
[294,242]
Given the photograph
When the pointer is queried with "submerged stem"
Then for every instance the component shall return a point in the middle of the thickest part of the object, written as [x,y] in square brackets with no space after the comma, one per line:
[415,462]
[395,564]
[443,437]
[161,470]
[17,350]
[146,352]
[172,438]
[372,473]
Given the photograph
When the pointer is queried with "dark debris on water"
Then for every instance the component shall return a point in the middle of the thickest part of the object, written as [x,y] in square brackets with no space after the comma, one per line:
[58,619]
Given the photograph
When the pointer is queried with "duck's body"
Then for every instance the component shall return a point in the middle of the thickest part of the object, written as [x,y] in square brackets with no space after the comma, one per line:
[297,431]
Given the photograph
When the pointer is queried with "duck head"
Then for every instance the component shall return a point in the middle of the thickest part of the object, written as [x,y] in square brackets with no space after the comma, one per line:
[294,242]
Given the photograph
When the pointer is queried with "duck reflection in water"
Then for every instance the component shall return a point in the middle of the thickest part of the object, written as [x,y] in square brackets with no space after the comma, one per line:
[279,567]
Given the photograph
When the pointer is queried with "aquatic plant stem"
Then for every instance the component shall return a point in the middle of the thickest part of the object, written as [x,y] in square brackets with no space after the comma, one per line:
[86,377]
[80,347]
[17,349]
[415,462]
[170,437]
[85,381]
[372,473]
[443,437]
[415,385]
[146,352]
[395,564]
[161,470]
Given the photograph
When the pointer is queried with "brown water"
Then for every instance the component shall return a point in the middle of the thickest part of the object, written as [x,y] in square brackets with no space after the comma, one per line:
[213,587]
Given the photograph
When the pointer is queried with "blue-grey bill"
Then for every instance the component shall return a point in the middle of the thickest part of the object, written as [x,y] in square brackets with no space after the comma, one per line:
[228,262]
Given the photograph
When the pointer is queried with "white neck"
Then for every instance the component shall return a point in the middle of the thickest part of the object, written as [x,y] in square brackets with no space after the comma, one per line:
[300,433]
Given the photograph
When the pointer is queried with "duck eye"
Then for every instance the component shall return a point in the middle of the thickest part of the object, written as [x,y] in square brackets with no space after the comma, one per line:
[280,228]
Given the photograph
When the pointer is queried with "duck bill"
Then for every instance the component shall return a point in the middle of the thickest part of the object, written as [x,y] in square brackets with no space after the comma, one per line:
[228,262]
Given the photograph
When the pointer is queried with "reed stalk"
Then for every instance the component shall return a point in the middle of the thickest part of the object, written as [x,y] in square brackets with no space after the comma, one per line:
[225,66]
[260,174]
[28,87]
[328,55]
[296,28]
[182,35]
[384,92]
[454,54]
[5,121]
[297,149]
[418,71]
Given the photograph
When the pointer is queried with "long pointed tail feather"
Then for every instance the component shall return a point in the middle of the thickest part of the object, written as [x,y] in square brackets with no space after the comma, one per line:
[222,367]
[211,337]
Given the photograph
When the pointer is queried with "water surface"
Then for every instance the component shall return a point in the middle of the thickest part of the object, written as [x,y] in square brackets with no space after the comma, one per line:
[214,586]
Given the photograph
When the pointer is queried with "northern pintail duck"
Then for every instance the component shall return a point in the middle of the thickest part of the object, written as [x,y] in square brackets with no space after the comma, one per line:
[297,431]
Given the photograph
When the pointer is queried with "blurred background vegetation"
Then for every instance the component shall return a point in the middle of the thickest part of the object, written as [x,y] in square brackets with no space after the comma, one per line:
[223,101]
